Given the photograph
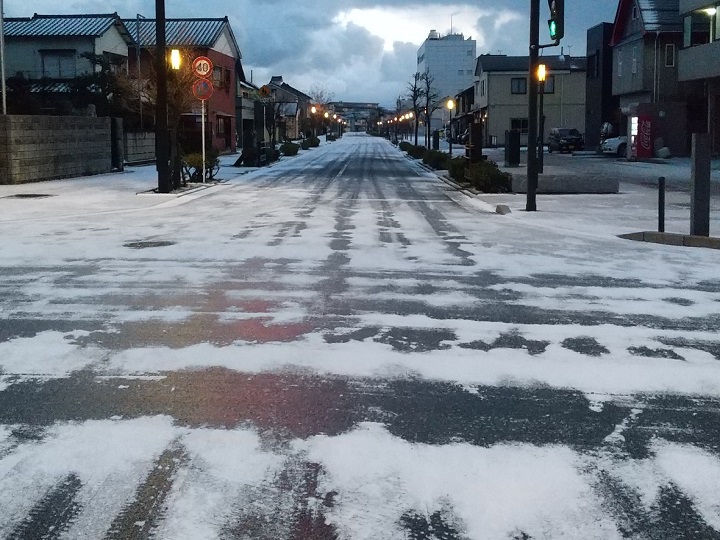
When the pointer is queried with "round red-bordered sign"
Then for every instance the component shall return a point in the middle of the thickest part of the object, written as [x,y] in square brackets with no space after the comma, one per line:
[202,89]
[202,66]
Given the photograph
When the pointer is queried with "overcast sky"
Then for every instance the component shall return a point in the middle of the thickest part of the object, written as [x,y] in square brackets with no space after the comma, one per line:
[360,50]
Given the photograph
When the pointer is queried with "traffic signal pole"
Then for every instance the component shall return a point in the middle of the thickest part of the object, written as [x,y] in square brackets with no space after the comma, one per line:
[532,165]
[162,144]
[556,26]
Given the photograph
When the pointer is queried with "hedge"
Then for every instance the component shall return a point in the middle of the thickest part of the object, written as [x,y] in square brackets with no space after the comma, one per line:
[289,149]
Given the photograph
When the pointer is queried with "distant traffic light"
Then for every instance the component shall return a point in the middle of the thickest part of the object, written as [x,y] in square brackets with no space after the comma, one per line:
[556,23]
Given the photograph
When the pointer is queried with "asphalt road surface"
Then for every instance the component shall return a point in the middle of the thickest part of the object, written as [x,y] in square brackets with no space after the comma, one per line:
[343,346]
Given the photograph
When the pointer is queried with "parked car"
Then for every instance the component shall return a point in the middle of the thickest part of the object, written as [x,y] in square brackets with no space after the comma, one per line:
[565,140]
[615,145]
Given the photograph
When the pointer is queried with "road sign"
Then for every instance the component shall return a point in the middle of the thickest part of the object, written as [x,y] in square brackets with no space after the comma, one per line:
[202,66]
[265,91]
[202,89]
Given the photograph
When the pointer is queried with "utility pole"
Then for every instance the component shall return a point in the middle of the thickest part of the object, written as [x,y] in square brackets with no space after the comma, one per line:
[2,58]
[162,146]
[532,165]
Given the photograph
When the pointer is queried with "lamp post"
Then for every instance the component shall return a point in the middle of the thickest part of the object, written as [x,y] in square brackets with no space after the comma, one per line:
[541,76]
[175,62]
[450,106]
[161,125]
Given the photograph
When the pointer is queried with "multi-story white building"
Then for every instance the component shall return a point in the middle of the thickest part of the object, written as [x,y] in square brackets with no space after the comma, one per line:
[450,60]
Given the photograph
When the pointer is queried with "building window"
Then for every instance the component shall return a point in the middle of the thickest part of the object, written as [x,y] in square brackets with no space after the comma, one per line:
[633,66]
[619,63]
[58,64]
[549,85]
[482,87]
[217,77]
[421,58]
[469,53]
[669,55]
[460,71]
[519,124]
[226,79]
[518,85]
[468,72]
[220,126]
[635,13]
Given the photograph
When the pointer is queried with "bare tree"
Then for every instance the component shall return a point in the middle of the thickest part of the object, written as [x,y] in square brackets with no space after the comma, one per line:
[415,94]
[320,95]
[430,96]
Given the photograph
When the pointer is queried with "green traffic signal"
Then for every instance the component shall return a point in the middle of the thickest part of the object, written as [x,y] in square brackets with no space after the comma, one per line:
[553,29]
[556,23]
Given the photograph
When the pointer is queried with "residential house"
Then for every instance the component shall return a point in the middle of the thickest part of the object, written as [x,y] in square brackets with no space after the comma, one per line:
[246,98]
[291,108]
[698,60]
[646,37]
[210,37]
[46,54]
[501,101]
[601,107]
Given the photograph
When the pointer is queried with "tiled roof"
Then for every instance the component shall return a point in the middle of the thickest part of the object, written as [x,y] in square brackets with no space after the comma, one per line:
[660,15]
[178,32]
[60,25]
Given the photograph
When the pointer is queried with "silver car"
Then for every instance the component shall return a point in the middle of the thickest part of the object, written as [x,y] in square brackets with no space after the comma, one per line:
[615,145]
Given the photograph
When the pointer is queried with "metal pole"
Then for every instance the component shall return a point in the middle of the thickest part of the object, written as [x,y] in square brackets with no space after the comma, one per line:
[137,60]
[661,204]
[203,139]
[532,170]
[2,57]
[161,125]
[541,137]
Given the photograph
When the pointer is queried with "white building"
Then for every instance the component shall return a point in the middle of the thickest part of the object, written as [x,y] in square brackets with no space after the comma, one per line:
[450,60]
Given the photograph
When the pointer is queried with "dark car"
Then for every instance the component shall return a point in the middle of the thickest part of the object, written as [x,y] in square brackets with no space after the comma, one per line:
[565,140]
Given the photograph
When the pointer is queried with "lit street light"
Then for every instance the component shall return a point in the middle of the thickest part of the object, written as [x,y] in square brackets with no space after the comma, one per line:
[541,77]
[450,105]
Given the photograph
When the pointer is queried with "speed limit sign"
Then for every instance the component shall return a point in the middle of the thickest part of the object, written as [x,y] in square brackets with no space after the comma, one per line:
[202,66]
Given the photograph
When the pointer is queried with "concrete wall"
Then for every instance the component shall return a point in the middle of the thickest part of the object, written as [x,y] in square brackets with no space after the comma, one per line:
[699,62]
[36,148]
[139,146]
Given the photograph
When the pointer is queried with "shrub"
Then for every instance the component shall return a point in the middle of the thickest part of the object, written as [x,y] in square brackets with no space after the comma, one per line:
[272,154]
[435,159]
[485,176]
[404,146]
[313,141]
[456,166]
[249,156]
[416,152]
[330,137]
[305,144]
[195,160]
[289,148]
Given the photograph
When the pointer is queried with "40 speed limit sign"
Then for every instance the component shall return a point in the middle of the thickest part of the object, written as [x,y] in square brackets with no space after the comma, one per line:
[202,66]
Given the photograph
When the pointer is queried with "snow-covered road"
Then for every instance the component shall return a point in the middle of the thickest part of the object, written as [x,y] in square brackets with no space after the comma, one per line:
[343,346]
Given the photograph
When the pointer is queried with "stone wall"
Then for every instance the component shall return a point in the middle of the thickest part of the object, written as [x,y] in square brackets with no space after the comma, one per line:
[139,146]
[36,148]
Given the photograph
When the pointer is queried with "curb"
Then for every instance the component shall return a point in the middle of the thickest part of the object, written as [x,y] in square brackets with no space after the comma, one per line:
[674,239]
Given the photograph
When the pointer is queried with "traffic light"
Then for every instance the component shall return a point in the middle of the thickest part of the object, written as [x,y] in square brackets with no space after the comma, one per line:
[556,23]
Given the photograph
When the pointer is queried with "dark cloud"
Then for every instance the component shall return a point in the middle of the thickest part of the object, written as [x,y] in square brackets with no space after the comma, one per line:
[301,41]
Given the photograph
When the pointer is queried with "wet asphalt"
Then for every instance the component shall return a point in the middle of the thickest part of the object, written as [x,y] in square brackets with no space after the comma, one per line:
[349,300]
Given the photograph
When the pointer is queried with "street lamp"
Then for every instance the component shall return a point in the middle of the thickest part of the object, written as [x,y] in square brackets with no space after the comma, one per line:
[175,62]
[450,105]
[541,77]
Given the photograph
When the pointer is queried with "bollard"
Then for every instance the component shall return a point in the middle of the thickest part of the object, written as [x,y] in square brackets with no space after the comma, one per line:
[661,204]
